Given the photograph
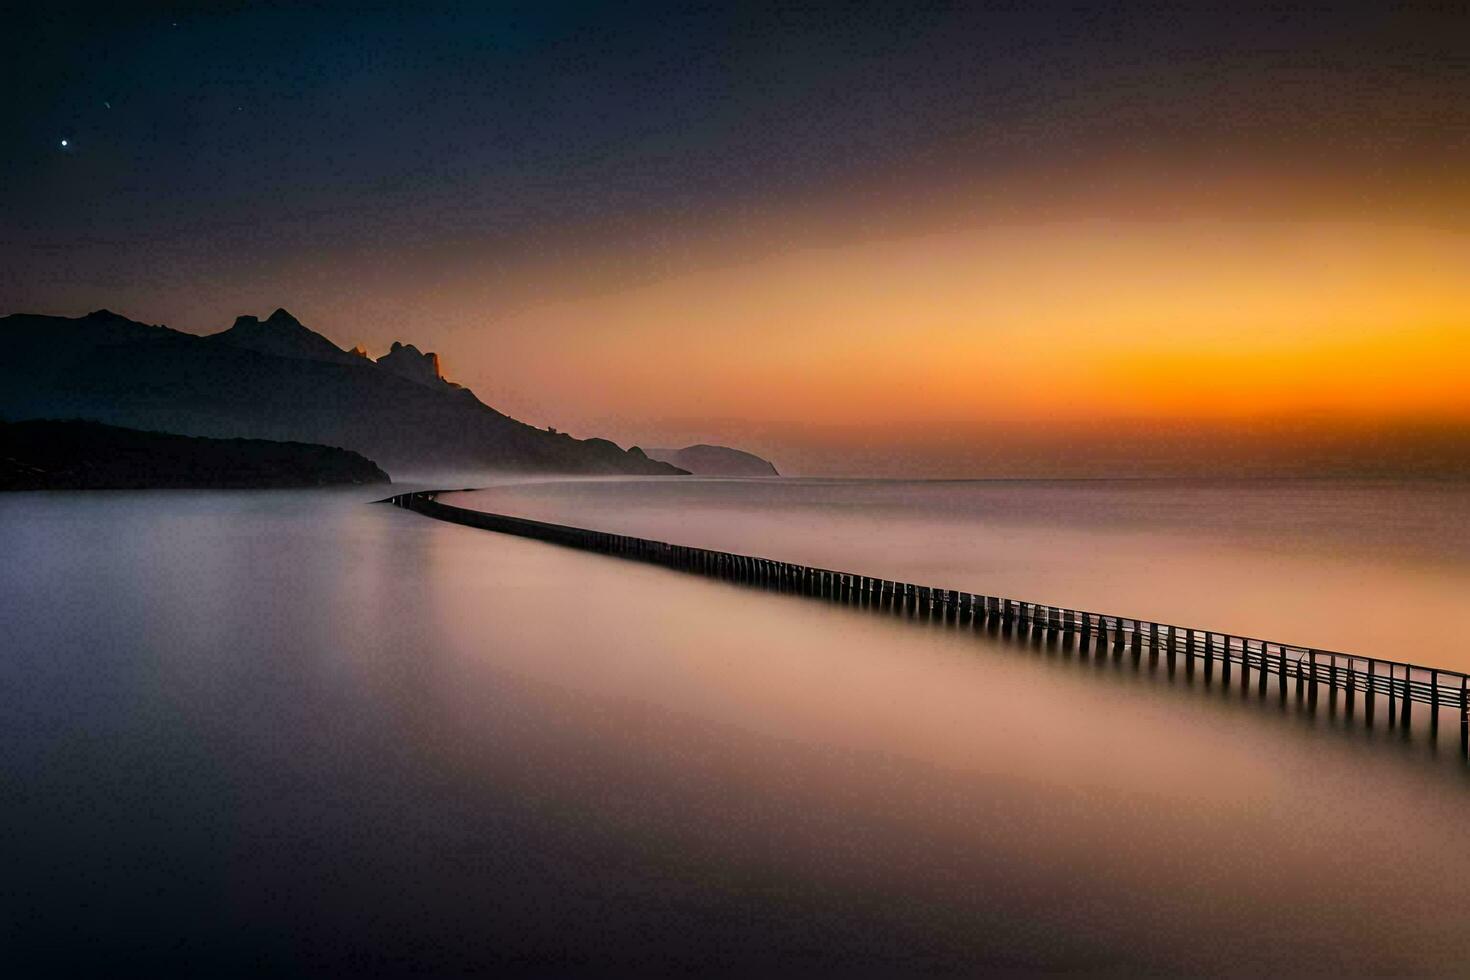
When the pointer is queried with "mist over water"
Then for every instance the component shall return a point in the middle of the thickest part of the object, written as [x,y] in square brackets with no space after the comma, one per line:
[1378,568]
[290,731]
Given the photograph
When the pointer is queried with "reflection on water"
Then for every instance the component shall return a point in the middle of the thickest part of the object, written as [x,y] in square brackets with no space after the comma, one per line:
[280,731]
[1372,568]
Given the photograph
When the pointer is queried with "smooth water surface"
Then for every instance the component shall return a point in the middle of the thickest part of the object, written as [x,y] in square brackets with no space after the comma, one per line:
[1378,569]
[291,731]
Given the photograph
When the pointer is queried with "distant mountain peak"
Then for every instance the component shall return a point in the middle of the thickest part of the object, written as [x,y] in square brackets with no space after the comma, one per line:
[278,381]
[107,315]
[283,335]
[115,326]
[280,318]
[399,345]
[706,460]
[407,361]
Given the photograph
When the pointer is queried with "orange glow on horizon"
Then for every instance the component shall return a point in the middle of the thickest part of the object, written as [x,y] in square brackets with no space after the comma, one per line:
[1156,291]
[1057,321]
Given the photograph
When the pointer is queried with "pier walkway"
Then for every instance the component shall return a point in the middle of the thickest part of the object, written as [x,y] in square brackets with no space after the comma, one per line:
[1396,687]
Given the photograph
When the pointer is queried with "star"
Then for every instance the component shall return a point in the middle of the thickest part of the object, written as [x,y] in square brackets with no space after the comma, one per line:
[65,144]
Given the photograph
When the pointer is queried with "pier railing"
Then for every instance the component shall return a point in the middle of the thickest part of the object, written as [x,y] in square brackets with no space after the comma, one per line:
[1399,684]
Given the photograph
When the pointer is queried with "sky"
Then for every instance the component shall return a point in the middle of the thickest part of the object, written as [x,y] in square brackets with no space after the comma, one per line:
[855,238]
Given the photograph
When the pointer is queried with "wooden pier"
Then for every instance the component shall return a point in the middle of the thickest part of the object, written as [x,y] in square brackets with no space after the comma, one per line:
[1381,685]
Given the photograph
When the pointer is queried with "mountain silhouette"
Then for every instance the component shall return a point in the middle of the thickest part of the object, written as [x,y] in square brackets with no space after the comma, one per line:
[405,361]
[276,379]
[282,334]
[705,460]
[77,455]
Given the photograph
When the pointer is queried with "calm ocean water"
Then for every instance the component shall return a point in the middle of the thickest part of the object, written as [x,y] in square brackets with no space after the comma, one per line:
[1375,568]
[289,731]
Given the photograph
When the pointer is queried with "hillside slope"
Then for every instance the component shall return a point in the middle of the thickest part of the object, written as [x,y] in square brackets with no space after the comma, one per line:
[107,368]
[704,460]
[76,455]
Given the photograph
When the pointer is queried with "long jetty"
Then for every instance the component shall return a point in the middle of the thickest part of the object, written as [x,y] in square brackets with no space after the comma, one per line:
[1393,684]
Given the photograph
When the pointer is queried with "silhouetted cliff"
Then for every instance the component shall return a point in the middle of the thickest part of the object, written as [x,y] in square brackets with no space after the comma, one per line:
[275,379]
[406,361]
[282,334]
[77,455]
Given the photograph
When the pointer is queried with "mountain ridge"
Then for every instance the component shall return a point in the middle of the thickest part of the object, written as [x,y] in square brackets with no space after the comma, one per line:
[281,334]
[107,368]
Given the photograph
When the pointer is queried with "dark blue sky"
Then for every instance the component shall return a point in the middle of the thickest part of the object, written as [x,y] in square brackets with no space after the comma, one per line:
[244,132]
